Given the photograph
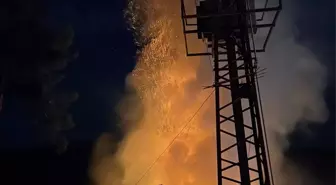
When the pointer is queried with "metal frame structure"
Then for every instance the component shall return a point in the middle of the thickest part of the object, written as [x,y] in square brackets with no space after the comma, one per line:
[189,28]
[227,27]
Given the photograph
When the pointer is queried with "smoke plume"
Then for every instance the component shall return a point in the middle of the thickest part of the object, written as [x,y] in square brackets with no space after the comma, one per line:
[292,91]
[169,90]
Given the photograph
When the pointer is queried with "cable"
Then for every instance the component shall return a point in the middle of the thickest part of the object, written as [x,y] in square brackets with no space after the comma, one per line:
[210,63]
[264,129]
[173,140]
[188,129]
[259,99]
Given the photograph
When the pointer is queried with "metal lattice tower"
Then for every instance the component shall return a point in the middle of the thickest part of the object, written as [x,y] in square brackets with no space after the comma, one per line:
[228,28]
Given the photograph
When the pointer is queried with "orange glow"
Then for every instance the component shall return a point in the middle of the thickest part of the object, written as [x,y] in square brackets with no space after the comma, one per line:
[169,86]
[169,90]
[167,83]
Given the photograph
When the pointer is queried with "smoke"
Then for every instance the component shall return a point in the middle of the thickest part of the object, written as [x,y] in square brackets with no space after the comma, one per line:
[168,88]
[292,91]
[321,42]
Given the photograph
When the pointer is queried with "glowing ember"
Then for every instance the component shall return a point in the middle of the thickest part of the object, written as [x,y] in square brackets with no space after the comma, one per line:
[170,88]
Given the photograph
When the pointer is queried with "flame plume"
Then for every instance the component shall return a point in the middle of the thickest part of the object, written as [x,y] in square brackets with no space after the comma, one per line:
[169,86]
[168,91]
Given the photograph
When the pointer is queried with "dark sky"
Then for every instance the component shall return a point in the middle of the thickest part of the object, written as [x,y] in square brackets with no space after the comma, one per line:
[106,56]
[315,21]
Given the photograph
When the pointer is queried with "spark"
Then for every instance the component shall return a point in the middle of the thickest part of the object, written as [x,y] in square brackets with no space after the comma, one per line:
[167,82]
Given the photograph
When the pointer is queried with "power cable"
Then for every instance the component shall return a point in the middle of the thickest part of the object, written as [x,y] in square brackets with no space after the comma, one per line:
[259,96]
[210,63]
[174,139]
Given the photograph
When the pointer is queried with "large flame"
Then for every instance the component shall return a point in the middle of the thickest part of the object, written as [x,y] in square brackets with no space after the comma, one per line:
[170,92]
[169,86]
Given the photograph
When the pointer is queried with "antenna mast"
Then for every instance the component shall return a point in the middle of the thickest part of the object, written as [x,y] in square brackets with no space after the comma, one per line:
[228,28]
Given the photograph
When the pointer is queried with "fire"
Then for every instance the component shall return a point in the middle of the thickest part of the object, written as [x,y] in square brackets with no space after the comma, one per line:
[170,88]
[170,91]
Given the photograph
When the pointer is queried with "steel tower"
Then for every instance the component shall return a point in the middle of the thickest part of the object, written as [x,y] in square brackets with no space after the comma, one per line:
[228,28]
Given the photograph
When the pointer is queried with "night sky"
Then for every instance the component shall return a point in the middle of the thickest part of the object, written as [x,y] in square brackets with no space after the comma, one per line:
[106,56]
[315,22]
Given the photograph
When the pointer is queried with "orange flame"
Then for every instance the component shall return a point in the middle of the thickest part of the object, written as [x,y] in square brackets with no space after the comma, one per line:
[169,86]
[167,82]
